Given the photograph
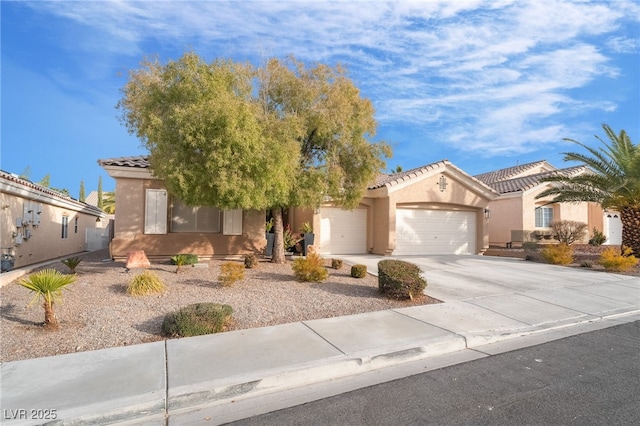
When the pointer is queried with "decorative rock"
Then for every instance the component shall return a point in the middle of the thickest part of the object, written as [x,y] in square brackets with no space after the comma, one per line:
[137,259]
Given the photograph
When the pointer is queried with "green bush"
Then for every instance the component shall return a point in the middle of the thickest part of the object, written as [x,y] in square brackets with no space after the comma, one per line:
[72,263]
[359,271]
[399,279]
[230,273]
[250,261]
[184,259]
[146,283]
[613,260]
[310,268]
[197,319]
[336,263]
[598,238]
[558,254]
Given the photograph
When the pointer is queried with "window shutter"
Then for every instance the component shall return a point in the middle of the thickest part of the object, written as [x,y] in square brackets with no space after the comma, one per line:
[232,222]
[155,214]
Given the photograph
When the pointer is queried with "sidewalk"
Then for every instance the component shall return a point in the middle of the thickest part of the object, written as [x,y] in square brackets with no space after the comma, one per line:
[219,378]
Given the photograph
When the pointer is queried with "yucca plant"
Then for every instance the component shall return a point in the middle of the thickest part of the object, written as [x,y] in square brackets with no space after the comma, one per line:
[72,263]
[47,285]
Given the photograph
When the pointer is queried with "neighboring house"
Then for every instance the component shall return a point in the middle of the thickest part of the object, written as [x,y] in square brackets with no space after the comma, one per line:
[436,208]
[517,216]
[40,224]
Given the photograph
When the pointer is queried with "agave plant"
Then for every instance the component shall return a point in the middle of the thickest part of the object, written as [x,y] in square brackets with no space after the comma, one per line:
[47,285]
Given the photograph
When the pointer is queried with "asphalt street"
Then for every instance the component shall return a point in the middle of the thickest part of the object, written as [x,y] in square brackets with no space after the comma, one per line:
[587,379]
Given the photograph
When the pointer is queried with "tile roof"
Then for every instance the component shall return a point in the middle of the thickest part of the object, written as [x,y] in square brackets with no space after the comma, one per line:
[508,173]
[527,182]
[385,179]
[139,161]
[17,181]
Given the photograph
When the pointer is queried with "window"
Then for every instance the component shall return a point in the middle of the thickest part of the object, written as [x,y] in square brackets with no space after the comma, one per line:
[544,217]
[194,219]
[65,227]
[155,212]
[232,222]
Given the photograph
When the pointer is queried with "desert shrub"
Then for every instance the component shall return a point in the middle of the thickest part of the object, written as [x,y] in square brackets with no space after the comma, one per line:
[72,263]
[568,231]
[598,238]
[613,260]
[586,264]
[359,271]
[197,319]
[531,250]
[558,254]
[250,261]
[184,259]
[146,283]
[399,279]
[230,273]
[310,268]
[336,263]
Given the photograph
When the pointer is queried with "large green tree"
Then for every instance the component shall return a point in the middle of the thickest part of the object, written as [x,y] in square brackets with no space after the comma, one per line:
[613,181]
[232,135]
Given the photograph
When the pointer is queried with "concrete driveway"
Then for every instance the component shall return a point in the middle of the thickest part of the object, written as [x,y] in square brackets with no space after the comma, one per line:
[459,277]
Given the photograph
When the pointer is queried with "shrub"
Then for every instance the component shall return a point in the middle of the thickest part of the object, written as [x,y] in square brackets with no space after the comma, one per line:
[598,238]
[568,231]
[72,263]
[359,271]
[310,268]
[613,260]
[250,261]
[146,283]
[336,263]
[558,254]
[184,259]
[586,264]
[230,272]
[197,319]
[399,279]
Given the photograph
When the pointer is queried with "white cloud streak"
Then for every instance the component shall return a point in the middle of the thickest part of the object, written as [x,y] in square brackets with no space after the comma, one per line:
[504,69]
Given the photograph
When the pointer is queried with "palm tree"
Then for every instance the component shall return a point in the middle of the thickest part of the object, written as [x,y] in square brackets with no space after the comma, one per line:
[47,284]
[613,181]
[109,202]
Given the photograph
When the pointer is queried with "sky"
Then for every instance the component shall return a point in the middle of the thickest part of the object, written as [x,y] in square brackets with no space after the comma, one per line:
[483,84]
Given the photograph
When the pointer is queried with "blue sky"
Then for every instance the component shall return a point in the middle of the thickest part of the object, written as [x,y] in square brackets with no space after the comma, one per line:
[484,84]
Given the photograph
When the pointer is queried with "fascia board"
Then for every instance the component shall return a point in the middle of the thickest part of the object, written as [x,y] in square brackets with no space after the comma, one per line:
[33,194]
[128,172]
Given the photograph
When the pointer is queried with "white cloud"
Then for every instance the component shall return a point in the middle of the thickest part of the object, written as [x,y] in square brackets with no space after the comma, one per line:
[504,69]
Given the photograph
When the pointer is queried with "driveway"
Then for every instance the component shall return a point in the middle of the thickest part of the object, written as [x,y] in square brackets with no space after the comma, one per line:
[459,277]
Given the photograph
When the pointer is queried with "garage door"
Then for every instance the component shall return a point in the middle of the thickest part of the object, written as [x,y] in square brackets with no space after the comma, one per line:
[343,231]
[420,231]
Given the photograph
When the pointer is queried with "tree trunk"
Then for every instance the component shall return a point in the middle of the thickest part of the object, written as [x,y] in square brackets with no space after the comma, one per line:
[50,319]
[278,231]
[630,217]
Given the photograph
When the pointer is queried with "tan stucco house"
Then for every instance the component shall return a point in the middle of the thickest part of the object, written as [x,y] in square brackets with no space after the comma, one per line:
[517,216]
[436,208]
[39,224]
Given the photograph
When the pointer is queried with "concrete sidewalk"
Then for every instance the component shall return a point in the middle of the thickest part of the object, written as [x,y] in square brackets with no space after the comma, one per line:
[219,378]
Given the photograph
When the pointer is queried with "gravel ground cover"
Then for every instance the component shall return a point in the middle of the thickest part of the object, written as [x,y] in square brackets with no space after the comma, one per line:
[97,313]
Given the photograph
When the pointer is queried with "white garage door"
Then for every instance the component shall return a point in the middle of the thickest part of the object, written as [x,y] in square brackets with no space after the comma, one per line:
[343,231]
[420,231]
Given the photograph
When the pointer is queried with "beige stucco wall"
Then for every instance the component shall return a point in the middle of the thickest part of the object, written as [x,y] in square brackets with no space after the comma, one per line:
[516,211]
[129,229]
[45,241]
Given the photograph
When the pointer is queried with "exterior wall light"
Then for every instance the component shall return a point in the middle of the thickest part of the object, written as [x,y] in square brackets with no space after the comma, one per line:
[487,213]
